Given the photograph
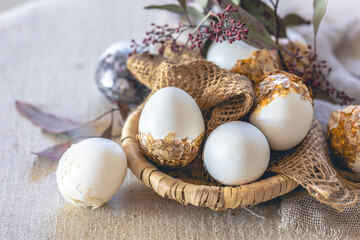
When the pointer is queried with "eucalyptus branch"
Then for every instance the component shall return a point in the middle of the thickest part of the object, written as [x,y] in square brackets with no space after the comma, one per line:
[272,2]
[208,7]
[188,18]
[276,25]
[210,13]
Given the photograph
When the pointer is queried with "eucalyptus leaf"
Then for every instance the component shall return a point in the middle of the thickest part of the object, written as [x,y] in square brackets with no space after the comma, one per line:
[209,6]
[193,12]
[258,36]
[52,123]
[319,11]
[294,20]
[54,152]
[46,121]
[182,3]
[183,6]
[203,3]
[265,14]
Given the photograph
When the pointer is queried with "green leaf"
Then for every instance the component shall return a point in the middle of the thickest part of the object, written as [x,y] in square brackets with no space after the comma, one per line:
[258,36]
[195,13]
[178,9]
[265,14]
[319,11]
[183,5]
[294,20]
[203,3]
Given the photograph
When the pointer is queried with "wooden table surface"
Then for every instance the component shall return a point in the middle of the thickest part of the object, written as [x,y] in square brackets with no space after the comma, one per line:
[48,54]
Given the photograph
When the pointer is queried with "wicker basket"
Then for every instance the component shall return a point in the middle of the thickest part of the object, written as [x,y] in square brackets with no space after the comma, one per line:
[214,197]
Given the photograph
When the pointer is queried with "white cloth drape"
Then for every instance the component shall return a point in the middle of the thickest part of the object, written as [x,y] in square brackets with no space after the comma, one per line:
[338,40]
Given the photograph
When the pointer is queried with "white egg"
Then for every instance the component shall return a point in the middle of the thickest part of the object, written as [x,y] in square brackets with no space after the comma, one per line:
[225,55]
[284,111]
[171,109]
[171,128]
[91,172]
[293,36]
[236,153]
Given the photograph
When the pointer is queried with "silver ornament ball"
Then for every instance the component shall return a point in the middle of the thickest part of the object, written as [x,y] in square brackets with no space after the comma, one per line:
[114,80]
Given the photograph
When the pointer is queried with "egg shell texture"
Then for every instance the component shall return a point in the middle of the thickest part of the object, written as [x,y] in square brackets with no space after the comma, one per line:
[171,110]
[225,54]
[90,172]
[279,85]
[285,121]
[236,153]
[283,110]
[169,151]
[171,128]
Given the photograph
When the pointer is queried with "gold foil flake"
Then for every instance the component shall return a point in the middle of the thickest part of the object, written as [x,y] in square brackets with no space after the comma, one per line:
[279,85]
[170,152]
[260,63]
[343,134]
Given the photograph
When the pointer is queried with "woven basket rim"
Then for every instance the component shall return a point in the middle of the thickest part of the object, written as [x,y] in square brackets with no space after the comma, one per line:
[213,197]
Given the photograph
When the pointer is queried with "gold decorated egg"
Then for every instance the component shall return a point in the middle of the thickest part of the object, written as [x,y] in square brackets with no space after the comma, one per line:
[343,133]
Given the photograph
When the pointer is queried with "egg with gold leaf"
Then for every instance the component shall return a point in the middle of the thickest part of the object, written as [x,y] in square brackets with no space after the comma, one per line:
[225,54]
[283,110]
[171,128]
[343,133]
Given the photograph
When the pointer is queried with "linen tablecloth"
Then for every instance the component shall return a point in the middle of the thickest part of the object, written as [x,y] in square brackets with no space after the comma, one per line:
[48,55]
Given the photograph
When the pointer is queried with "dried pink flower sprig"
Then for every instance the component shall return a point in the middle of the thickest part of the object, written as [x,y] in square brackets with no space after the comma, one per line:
[315,74]
[218,30]
[163,35]
[223,29]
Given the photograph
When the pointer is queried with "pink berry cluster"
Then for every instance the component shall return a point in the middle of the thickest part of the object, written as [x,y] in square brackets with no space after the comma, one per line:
[160,35]
[219,29]
[316,74]
[223,29]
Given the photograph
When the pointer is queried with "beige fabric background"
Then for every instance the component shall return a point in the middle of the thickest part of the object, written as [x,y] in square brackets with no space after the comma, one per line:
[48,55]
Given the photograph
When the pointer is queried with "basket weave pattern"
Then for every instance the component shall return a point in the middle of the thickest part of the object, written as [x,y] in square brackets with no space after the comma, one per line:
[214,197]
[222,97]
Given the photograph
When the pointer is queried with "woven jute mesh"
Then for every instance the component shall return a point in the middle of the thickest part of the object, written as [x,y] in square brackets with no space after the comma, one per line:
[224,96]
[302,212]
[309,165]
